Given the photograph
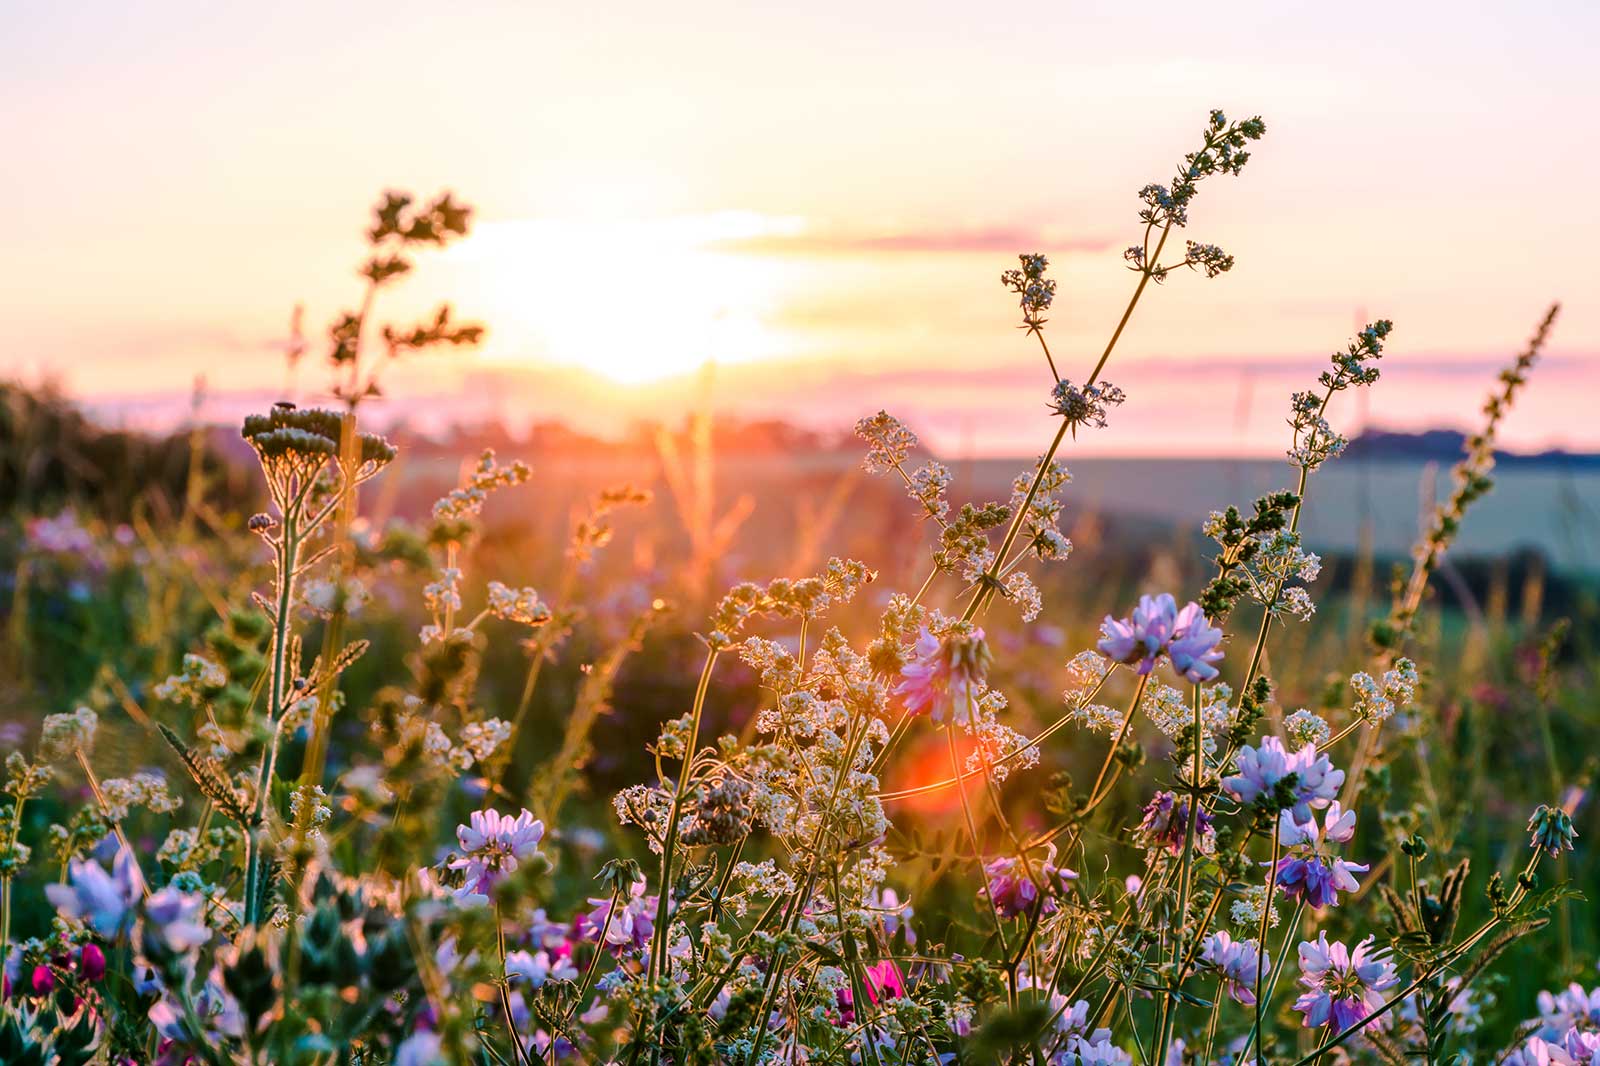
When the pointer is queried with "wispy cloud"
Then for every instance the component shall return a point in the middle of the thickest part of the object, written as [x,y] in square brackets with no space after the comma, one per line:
[842,241]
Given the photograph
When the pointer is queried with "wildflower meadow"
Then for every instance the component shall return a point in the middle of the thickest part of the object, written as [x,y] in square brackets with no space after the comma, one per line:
[294,775]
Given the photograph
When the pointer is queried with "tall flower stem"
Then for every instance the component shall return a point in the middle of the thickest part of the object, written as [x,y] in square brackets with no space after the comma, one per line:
[1169,1007]
[288,558]
[669,844]
[981,594]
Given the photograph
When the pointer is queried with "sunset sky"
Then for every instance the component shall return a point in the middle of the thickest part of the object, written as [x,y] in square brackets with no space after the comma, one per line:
[818,197]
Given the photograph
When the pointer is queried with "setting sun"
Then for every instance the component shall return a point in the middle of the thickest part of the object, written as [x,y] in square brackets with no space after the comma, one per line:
[633,300]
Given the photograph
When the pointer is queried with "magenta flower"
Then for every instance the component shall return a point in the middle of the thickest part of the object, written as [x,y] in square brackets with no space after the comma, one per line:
[880,981]
[494,844]
[1013,892]
[947,675]
[1261,769]
[1240,963]
[91,963]
[1310,871]
[1343,986]
[1166,825]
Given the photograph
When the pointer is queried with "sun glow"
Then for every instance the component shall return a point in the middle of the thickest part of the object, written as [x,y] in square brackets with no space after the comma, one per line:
[634,300]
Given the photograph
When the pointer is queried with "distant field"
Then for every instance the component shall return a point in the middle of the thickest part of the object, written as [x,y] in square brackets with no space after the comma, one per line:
[1556,511]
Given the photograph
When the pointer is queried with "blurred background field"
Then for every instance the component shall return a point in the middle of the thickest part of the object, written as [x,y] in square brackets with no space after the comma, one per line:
[120,551]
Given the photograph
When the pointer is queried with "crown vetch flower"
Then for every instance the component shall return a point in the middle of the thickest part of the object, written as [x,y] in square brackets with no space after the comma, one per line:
[539,968]
[946,675]
[1166,825]
[91,962]
[1343,986]
[880,981]
[1240,963]
[176,919]
[1552,830]
[494,844]
[629,929]
[1193,648]
[1143,635]
[1158,627]
[1263,769]
[1310,872]
[103,901]
[1014,892]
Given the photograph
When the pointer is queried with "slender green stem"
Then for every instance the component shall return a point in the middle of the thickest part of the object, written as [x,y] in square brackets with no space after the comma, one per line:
[288,556]
[669,846]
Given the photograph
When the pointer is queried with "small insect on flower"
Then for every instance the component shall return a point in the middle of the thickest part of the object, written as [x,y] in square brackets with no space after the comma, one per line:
[494,844]
[1343,986]
[1166,825]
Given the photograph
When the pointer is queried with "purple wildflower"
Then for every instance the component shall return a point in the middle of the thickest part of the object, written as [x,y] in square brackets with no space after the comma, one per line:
[1261,769]
[1194,645]
[1561,1011]
[1142,636]
[880,981]
[1158,627]
[1166,825]
[539,968]
[494,844]
[1309,871]
[1014,892]
[629,929]
[176,919]
[1343,986]
[1240,963]
[103,901]
[946,675]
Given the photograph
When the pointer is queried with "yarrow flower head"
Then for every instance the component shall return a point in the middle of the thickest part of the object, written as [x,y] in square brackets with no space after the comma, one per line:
[947,675]
[1307,728]
[1035,292]
[494,844]
[1158,627]
[1552,830]
[64,735]
[888,441]
[1085,406]
[1343,986]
